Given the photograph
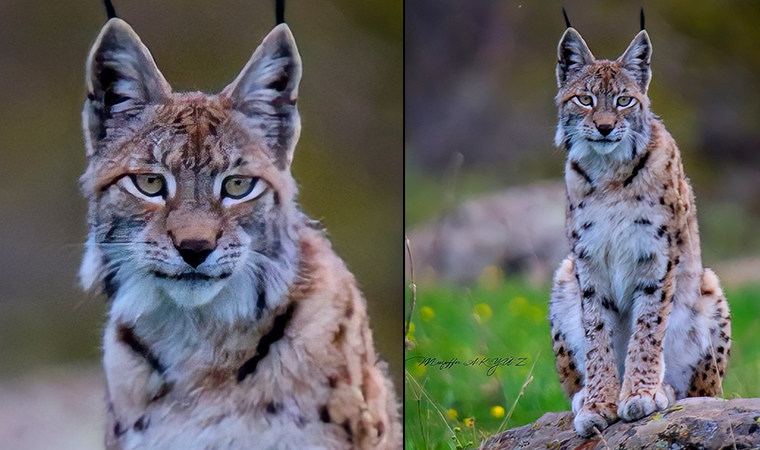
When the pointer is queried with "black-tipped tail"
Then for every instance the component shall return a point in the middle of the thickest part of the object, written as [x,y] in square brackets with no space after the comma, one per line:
[110,11]
[279,11]
[567,21]
[642,18]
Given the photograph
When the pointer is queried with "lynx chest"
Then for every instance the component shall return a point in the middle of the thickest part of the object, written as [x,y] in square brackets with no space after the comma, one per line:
[621,240]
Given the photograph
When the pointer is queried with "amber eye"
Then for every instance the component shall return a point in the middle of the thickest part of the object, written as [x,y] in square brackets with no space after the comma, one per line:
[624,101]
[150,184]
[238,187]
[585,100]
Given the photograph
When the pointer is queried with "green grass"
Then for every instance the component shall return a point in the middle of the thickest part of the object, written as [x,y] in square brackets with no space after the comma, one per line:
[507,319]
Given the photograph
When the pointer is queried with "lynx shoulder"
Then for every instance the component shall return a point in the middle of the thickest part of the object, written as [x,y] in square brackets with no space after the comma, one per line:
[232,323]
[637,322]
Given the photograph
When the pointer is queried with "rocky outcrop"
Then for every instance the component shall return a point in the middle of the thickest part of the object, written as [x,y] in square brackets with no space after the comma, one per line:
[692,423]
[520,230]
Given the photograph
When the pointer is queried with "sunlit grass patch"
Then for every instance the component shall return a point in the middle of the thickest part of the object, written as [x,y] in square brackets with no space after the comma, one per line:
[469,374]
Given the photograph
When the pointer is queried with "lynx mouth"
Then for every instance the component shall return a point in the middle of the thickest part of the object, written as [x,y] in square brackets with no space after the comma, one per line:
[190,276]
[604,140]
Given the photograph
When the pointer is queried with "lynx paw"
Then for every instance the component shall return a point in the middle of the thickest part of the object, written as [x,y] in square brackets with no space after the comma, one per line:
[598,416]
[669,392]
[640,404]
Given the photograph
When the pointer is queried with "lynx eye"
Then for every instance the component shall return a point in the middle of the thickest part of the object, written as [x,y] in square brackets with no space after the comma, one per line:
[624,101]
[585,100]
[149,184]
[237,187]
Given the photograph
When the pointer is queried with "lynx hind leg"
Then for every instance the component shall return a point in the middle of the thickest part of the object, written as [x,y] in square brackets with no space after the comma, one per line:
[707,379]
[567,332]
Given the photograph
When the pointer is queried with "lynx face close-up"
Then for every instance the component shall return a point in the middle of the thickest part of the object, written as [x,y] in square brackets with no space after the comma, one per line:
[603,105]
[192,193]
[232,323]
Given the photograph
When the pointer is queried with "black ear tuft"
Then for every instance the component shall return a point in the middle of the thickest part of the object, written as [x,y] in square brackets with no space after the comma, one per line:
[110,11]
[567,21]
[642,18]
[279,11]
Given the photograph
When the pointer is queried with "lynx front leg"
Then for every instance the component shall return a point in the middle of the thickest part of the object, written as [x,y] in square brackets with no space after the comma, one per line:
[643,391]
[599,409]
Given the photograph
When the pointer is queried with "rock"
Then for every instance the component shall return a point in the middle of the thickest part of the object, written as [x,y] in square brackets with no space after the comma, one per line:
[692,423]
[520,230]
[739,272]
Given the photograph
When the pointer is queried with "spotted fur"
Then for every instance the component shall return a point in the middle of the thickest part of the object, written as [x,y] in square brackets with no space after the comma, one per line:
[232,324]
[636,320]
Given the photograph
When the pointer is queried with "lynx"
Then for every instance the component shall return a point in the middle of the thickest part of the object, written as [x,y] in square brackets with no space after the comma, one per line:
[232,323]
[632,300]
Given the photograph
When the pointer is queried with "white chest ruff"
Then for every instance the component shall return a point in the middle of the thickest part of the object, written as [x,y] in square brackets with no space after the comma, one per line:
[619,239]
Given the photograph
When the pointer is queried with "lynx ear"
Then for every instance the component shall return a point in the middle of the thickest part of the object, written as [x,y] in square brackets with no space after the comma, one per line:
[636,60]
[572,54]
[266,92]
[121,78]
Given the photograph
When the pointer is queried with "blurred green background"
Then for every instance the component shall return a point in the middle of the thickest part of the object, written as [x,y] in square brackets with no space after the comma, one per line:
[348,163]
[479,80]
[480,120]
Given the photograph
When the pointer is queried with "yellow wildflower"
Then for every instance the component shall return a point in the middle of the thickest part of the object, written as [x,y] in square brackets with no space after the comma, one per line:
[483,312]
[426,314]
[497,412]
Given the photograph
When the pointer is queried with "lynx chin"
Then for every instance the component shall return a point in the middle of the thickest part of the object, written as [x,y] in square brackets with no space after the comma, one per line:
[232,323]
[637,322]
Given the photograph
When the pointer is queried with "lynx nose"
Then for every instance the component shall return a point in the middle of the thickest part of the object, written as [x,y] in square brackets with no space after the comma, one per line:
[605,129]
[195,251]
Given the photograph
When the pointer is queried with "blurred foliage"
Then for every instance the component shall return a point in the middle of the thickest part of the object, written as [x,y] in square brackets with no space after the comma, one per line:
[348,163]
[429,196]
[507,318]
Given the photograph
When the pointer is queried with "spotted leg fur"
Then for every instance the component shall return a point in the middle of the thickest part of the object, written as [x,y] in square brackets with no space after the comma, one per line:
[703,373]
[580,328]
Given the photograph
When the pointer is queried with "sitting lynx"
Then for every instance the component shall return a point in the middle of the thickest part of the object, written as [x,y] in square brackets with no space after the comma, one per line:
[632,300]
[232,325]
